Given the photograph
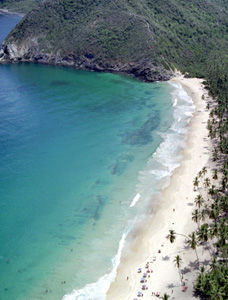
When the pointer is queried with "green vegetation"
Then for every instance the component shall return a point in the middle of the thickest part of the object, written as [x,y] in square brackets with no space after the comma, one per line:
[165,297]
[187,35]
[177,261]
[211,214]
[19,6]
[212,283]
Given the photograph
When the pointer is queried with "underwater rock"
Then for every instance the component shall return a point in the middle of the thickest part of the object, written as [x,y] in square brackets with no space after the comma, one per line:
[121,164]
[143,135]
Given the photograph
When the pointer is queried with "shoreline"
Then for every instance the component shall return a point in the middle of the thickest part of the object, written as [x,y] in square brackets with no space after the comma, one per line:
[148,243]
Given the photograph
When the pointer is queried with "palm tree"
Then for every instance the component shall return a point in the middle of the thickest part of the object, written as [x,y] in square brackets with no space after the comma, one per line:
[223,233]
[207,182]
[196,183]
[203,214]
[199,201]
[204,170]
[213,263]
[204,234]
[215,176]
[212,190]
[209,127]
[224,183]
[177,261]
[171,236]
[200,174]
[196,216]
[215,155]
[205,207]
[214,213]
[193,243]
[211,133]
[214,230]
[205,231]
[165,297]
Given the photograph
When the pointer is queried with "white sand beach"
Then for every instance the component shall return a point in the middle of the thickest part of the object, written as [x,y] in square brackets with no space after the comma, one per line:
[150,243]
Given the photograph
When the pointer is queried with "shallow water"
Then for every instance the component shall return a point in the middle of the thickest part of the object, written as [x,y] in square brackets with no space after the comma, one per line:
[76,148]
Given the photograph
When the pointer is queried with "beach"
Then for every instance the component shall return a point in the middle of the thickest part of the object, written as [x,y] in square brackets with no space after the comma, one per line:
[147,247]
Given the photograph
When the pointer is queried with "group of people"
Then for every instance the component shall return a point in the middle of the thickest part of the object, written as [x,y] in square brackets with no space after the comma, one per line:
[144,278]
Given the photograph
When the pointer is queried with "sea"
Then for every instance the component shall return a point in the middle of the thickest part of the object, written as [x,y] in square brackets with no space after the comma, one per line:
[83,154]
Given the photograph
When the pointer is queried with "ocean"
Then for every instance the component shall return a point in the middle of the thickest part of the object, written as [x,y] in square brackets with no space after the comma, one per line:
[82,156]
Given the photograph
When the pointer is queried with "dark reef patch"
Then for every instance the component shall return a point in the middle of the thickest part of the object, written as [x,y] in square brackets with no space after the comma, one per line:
[143,135]
[121,164]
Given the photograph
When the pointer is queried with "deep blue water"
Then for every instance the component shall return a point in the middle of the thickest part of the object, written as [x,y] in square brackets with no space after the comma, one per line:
[7,23]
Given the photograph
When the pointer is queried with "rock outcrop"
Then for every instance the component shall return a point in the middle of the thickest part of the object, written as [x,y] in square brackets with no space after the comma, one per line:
[144,69]
[144,38]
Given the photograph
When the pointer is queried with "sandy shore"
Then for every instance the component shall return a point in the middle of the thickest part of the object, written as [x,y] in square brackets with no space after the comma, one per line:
[149,243]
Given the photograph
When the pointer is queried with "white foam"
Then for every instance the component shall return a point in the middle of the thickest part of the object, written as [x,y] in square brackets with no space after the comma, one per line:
[159,173]
[135,200]
[98,289]
[166,158]
[175,102]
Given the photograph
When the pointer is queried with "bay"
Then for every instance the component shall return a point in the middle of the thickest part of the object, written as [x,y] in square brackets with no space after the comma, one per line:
[73,146]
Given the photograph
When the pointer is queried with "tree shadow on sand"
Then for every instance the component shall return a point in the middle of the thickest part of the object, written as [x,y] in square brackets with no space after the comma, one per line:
[185,270]
[166,258]
[194,265]
[171,286]
[186,246]
[205,262]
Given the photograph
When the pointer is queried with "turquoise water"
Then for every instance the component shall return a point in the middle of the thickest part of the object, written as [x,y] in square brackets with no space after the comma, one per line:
[73,147]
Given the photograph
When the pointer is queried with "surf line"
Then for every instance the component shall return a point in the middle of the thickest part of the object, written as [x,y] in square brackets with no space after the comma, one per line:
[175,102]
[135,200]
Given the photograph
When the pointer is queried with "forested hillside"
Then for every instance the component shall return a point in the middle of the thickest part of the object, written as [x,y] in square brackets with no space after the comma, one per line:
[141,37]
[21,6]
